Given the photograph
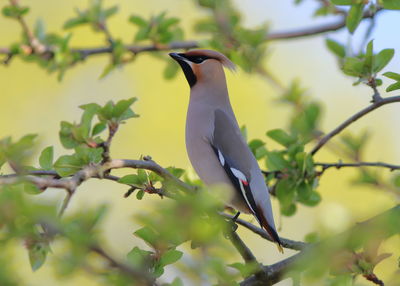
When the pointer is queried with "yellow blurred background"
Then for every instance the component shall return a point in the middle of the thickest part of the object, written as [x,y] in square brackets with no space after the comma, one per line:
[31,101]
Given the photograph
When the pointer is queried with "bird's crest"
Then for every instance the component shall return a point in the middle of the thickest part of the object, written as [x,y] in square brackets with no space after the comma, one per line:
[213,55]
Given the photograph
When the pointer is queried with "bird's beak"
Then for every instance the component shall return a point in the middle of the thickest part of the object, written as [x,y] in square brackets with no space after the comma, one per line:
[177,57]
[186,66]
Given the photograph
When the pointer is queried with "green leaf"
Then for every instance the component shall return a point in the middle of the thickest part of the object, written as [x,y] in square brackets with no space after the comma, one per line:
[289,210]
[89,155]
[68,165]
[137,20]
[353,67]
[74,22]
[110,11]
[148,235]
[46,158]
[169,257]
[37,254]
[336,48]
[392,75]
[342,2]
[98,128]
[312,237]
[14,11]
[107,70]
[142,34]
[369,57]
[142,174]
[394,86]
[138,257]
[281,137]
[382,59]
[354,17]
[304,162]
[16,152]
[391,4]
[167,23]
[395,76]
[122,106]
[132,180]
[31,188]
[127,114]
[285,192]
[304,191]
[276,161]
[257,148]
[313,199]
[176,172]
[245,269]
[66,137]
[106,112]
[140,194]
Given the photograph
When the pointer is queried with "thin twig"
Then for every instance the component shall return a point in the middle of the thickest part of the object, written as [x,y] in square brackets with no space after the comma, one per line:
[34,43]
[273,36]
[65,203]
[352,119]
[340,165]
[273,273]
[151,166]
[286,243]
[313,31]
[134,273]
[379,224]
[112,129]
[242,248]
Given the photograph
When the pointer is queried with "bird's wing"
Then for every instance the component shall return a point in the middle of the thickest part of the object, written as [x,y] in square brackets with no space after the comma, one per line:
[227,144]
[237,160]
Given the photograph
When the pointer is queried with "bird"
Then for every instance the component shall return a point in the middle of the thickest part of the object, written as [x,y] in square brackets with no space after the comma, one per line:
[216,148]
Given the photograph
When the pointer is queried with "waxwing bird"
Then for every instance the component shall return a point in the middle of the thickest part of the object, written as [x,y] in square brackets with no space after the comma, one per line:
[216,148]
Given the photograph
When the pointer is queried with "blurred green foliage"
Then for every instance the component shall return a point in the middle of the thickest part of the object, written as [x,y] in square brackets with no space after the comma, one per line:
[189,219]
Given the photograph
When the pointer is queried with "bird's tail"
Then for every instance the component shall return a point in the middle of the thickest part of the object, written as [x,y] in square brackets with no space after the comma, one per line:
[270,229]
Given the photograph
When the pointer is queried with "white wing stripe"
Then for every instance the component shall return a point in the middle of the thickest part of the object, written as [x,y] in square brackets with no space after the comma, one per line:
[241,178]
[221,158]
[238,174]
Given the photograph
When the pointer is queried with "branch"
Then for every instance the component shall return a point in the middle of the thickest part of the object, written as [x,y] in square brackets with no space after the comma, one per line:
[313,31]
[273,273]
[383,226]
[242,248]
[112,129]
[65,203]
[93,171]
[190,44]
[136,49]
[340,165]
[34,44]
[353,118]
[134,273]
[286,243]
[53,229]
[150,165]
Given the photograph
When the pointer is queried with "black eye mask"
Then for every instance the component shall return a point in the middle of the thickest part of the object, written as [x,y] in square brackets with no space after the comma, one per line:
[195,59]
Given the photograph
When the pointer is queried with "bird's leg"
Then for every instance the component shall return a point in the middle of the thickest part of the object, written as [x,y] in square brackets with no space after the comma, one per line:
[233,222]
[234,226]
[236,217]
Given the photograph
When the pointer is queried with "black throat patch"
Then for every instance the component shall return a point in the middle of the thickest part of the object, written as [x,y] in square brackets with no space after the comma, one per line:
[187,70]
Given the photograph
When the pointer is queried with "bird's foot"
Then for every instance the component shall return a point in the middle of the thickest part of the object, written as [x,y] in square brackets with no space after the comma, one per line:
[232,226]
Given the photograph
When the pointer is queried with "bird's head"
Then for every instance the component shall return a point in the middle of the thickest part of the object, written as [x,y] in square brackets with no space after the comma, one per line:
[202,65]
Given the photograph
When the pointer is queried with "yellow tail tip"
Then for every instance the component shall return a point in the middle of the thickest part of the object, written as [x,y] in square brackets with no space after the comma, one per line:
[280,248]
